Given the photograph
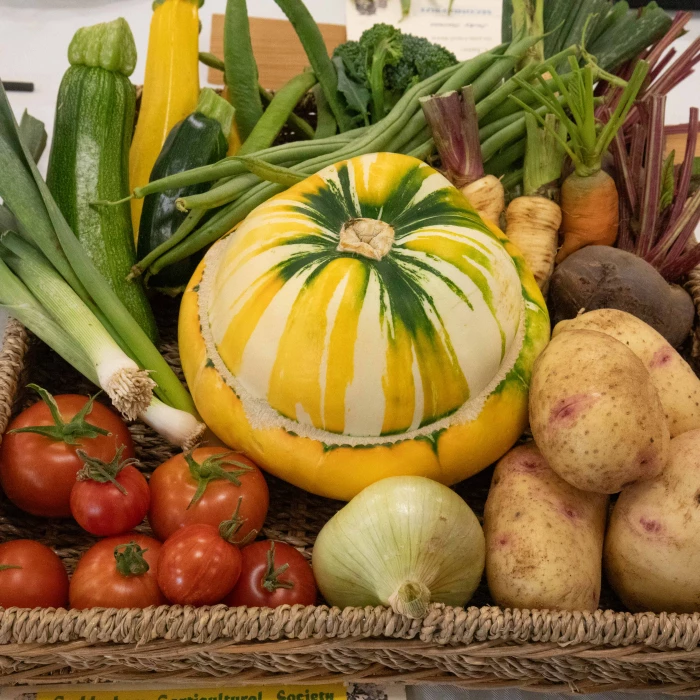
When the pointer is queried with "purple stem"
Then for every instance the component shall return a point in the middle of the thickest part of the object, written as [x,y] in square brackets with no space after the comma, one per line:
[455,129]
[676,238]
[683,182]
[683,265]
[625,183]
[680,19]
[653,165]
[638,141]
[624,239]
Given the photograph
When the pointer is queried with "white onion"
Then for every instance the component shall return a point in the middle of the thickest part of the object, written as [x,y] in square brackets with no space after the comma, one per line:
[404,541]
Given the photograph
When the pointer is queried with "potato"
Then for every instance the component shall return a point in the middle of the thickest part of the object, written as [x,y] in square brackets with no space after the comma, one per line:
[652,549]
[595,413]
[676,383]
[544,538]
[601,277]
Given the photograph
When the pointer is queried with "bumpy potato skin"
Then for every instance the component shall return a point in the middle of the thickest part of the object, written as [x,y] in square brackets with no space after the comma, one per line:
[676,383]
[595,413]
[544,538]
[652,548]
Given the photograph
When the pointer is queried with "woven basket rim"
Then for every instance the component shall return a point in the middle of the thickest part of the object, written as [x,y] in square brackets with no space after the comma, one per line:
[442,625]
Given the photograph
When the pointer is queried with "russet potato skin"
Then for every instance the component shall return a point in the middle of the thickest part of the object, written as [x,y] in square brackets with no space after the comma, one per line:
[676,383]
[544,538]
[652,548]
[595,413]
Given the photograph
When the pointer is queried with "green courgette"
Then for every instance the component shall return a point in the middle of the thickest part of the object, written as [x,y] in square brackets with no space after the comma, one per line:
[200,139]
[89,159]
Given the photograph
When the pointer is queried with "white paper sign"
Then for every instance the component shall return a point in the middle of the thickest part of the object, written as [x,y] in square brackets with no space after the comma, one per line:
[471,27]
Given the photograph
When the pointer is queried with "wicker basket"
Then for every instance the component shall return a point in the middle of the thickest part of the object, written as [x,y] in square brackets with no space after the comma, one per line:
[478,647]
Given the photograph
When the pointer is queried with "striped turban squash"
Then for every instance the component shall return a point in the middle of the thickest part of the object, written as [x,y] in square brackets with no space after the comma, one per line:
[365,323]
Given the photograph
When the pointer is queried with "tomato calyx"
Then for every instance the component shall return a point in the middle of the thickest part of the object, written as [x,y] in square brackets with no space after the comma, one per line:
[229,528]
[95,469]
[4,567]
[271,580]
[70,432]
[130,559]
[212,469]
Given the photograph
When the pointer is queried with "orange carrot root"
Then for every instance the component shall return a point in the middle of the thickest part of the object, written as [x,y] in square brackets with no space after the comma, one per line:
[590,214]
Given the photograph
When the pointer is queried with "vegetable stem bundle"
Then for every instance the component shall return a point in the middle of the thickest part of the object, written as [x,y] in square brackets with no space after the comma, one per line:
[589,198]
[402,130]
[85,321]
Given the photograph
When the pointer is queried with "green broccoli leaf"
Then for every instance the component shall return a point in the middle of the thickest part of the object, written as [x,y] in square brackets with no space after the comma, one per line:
[356,95]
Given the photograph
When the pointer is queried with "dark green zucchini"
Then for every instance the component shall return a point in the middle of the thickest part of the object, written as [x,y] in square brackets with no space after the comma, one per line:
[200,139]
[89,159]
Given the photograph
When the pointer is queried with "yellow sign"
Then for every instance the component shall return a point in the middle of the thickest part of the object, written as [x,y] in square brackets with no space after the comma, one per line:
[269,692]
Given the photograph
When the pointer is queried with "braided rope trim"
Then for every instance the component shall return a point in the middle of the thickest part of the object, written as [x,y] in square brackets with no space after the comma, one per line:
[443,625]
[692,286]
[12,351]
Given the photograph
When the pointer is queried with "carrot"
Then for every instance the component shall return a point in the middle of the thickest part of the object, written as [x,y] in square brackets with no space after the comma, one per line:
[455,128]
[589,198]
[533,220]
[590,212]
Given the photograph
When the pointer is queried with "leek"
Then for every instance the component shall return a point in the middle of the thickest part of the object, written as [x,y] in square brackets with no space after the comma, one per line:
[178,427]
[48,282]
[129,387]
[42,223]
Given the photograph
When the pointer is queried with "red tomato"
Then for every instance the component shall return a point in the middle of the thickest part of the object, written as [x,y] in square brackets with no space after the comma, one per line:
[193,488]
[31,576]
[37,472]
[115,574]
[197,566]
[273,574]
[103,508]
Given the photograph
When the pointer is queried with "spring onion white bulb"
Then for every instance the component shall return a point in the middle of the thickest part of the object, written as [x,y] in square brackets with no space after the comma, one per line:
[405,541]
[178,427]
[129,387]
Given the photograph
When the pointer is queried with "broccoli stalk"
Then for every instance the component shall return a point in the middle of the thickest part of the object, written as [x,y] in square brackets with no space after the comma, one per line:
[386,53]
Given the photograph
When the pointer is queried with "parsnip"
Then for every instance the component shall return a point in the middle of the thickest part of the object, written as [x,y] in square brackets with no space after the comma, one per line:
[532,224]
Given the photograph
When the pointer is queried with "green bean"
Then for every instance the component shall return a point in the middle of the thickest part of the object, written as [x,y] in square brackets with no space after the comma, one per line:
[209,59]
[222,222]
[493,75]
[511,107]
[467,71]
[227,192]
[501,163]
[325,121]
[241,73]
[500,94]
[312,40]
[419,139]
[424,151]
[183,230]
[373,140]
[495,127]
[277,113]
[228,167]
[505,136]
[297,124]
[512,179]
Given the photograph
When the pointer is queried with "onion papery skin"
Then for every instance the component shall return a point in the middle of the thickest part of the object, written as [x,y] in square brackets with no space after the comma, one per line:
[400,533]
[443,396]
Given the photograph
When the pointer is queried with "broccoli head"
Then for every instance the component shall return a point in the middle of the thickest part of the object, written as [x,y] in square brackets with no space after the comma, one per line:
[387,63]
